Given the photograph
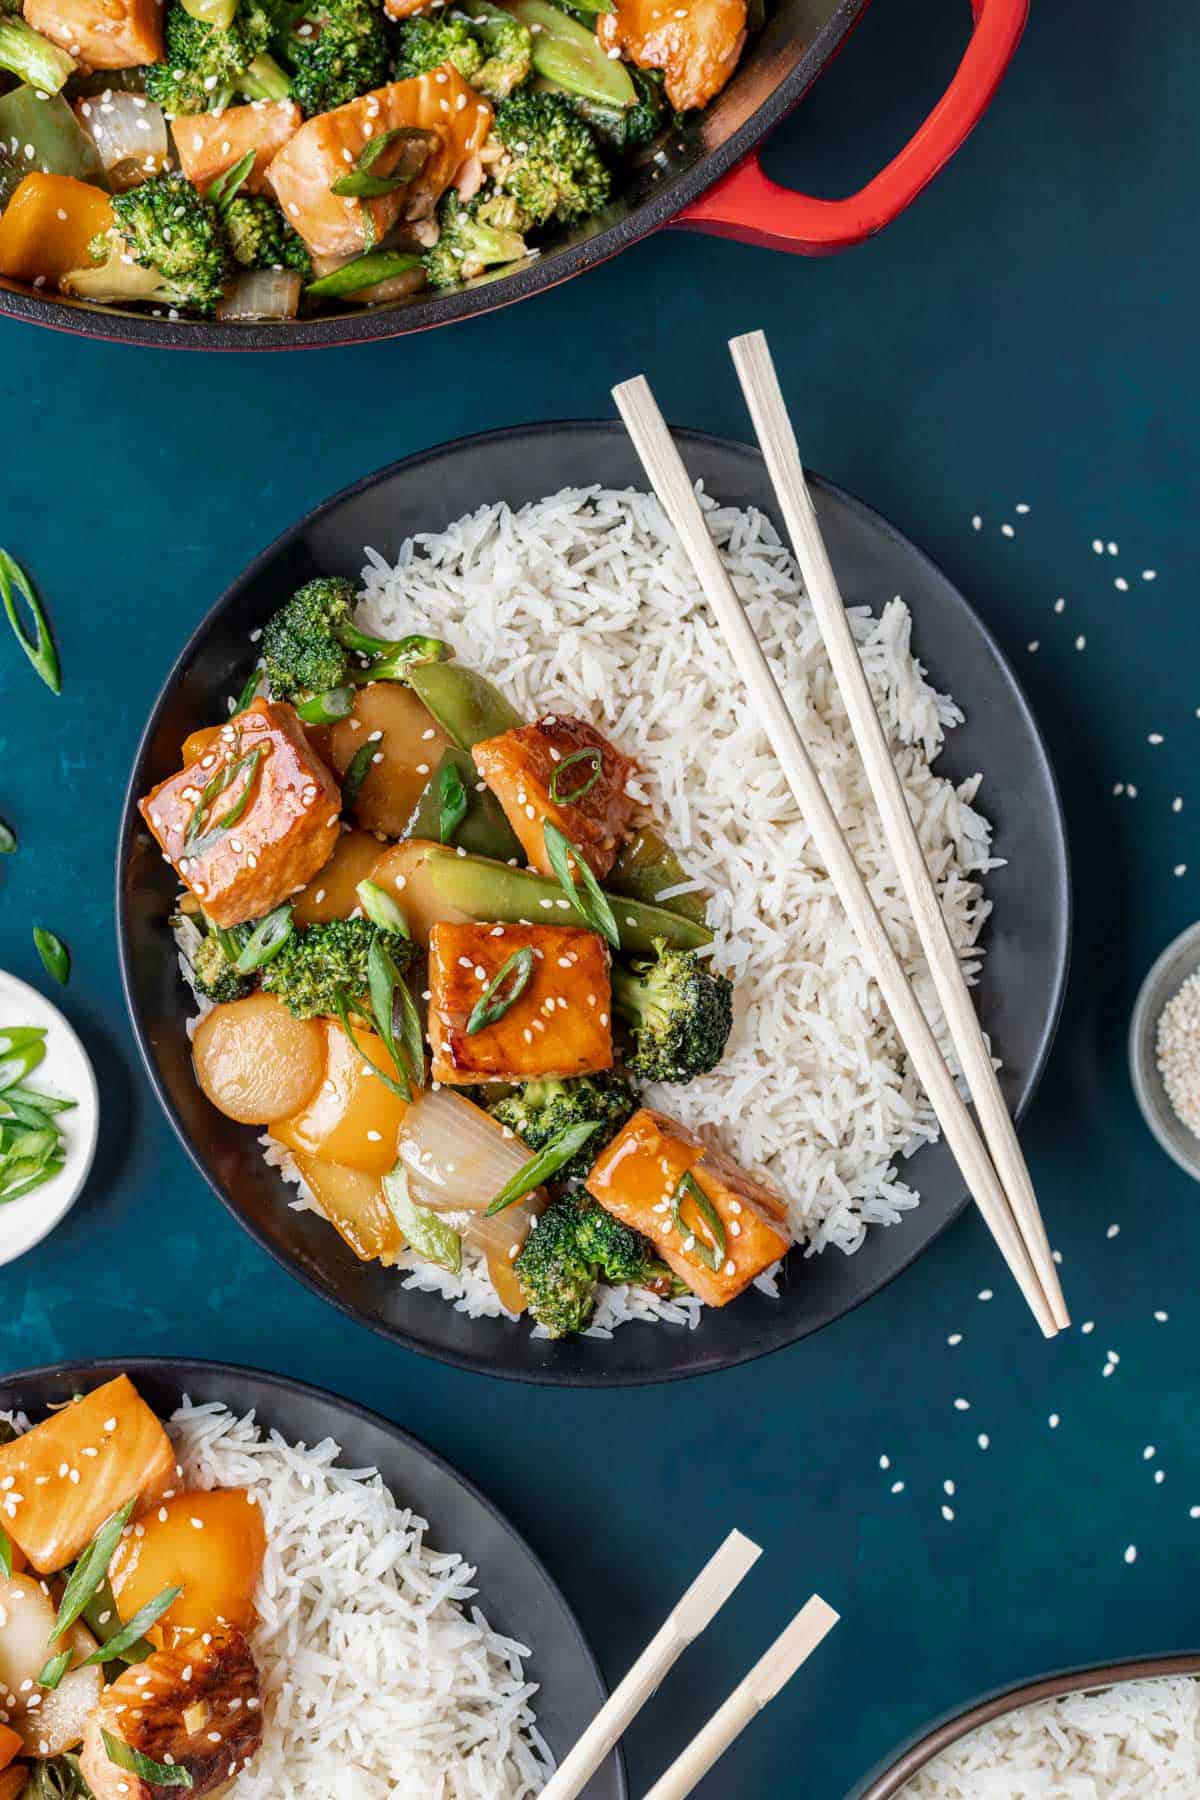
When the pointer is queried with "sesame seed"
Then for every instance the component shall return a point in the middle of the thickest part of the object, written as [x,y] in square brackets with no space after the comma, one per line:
[897,1487]
[983,1440]
[1131,1553]
[1053,1421]
[948,1514]
[962,1406]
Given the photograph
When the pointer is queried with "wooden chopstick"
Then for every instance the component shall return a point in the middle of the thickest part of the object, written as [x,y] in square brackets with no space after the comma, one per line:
[671,482]
[760,385]
[698,1607]
[772,1672]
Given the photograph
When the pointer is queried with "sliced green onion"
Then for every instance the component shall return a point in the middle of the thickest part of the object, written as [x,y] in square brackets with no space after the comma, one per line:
[18,1062]
[329,708]
[56,958]
[54,1670]
[99,1613]
[406,1023]
[712,1254]
[8,839]
[362,272]
[46,1103]
[114,1648]
[398,1087]
[193,843]
[381,909]
[361,184]
[247,694]
[157,1774]
[357,770]
[39,647]
[225,188]
[266,940]
[6,1555]
[544,1165]
[32,1178]
[492,1004]
[90,1570]
[452,801]
[595,756]
[425,1230]
[590,902]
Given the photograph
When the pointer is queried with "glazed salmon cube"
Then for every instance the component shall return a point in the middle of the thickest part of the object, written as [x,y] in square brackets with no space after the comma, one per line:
[696,45]
[640,1180]
[557,1026]
[207,144]
[327,147]
[535,770]
[78,1467]
[101,34]
[281,799]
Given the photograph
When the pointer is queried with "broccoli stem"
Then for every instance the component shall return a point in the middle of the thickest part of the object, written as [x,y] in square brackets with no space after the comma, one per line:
[32,58]
[263,79]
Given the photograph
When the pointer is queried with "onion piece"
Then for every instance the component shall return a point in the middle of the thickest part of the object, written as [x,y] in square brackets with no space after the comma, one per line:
[262,294]
[458,1158]
[130,135]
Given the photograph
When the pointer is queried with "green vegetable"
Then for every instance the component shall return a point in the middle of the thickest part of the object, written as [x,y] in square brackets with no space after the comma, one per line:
[114,1649]
[31,1149]
[159,1774]
[56,958]
[483,829]
[453,801]
[538,1110]
[362,272]
[568,54]
[542,1167]
[621,128]
[6,1553]
[308,645]
[415,150]
[382,909]
[645,865]
[553,168]
[266,940]
[328,708]
[320,962]
[220,13]
[54,1670]
[585,894]
[214,966]
[225,189]
[197,841]
[31,57]
[260,237]
[49,127]
[712,1251]
[582,782]
[357,770]
[493,891]
[472,238]
[57,1778]
[8,839]
[503,991]
[90,1570]
[490,49]
[207,65]
[575,1243]
[425,1230]
[247,694]
[678,1012]
[394,1021]
[38,646]
[22,1048]
[336,49]
[165,246]
[466,706]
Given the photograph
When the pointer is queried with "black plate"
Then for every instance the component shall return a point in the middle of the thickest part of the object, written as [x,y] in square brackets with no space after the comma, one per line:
[1027,938]
[515,1592]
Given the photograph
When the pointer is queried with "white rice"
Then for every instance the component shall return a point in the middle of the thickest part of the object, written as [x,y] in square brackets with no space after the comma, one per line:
[584,602]
[1137,1741]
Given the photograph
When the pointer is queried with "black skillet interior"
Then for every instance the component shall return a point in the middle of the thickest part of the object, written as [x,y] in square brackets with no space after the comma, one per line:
[780,64]
[515,1592]
[1027,938]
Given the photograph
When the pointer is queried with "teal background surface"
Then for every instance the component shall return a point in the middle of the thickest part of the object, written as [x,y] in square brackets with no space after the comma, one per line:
[1026,334]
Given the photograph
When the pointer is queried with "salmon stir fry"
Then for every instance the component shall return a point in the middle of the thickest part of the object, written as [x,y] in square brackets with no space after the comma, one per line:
[265,159]
[443,1001]
[127,1658]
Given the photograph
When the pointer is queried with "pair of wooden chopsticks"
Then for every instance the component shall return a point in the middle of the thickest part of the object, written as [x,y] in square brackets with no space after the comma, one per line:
[999,1181]
[697,1609]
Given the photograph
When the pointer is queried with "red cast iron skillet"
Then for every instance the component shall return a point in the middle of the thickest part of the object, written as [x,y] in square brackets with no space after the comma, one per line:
[705,177]
[889,1780]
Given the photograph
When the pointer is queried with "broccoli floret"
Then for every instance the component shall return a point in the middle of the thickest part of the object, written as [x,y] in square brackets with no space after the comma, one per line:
[623,129]
[468,244]
[164,244]
[318,965]
[28,55]
[213,972]
[490,49]
[678,1012]
[261,238]
[308,643]
[539,1110]
[336,49]
[552,167]
[205,66]
[573,1245]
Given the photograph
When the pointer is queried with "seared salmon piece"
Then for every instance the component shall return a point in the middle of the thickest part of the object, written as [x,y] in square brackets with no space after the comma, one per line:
[640,1179]
[563,770]
[101,34]
[329,146]
[207,144]
[62,1480]
[281,799]
[557,1026]
[198,1706]
[696,43]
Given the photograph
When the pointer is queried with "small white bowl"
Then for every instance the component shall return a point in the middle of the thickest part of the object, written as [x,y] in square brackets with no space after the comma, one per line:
[1179,960]
[67,1073]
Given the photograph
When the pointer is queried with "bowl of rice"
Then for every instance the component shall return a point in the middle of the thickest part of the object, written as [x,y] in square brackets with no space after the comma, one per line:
[1125,1731]
[536,553]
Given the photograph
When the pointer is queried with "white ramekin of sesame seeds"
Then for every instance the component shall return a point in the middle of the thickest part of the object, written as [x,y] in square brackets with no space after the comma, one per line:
[1164,1050]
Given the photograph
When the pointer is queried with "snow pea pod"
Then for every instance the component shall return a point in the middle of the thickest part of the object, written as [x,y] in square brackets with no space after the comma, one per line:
[483,829]
[466,706]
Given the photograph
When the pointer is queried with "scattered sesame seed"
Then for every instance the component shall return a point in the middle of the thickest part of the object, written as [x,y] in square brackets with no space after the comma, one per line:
[1060,605]
[1081,642]
[985,1293]
[885,1462]
[954,1339]
[1160,1318]
[1053,1421]
[976,522]
[1131,1554]
[948,1514]
[962,1406]
[1113,1231]
[898,1488]
[948,1488]
[983,1440]
[1008,530]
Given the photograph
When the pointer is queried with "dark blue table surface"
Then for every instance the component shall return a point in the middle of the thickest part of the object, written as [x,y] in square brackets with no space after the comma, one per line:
[1026,334]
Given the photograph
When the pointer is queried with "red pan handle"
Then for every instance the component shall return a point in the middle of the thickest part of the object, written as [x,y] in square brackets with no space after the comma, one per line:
[749,206]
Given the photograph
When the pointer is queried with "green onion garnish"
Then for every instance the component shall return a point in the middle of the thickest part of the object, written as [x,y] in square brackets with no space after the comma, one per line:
[6,1555]
[39,647]
[157,1774]
[226,186]
[21,1050]
[452,801]
[493,1003]
[386,983]
[589,901]
[56,958]
[266,940]
[356,772]
[247,694]
[361,184]
[54,1670]
[429,1235]
[381,909]
[546,1163]
[90,1570]
[595,756]
[362,272]
[193,843]
[329,708]
[114,1648]
[397,1086]
[8,839]
[712,1254]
